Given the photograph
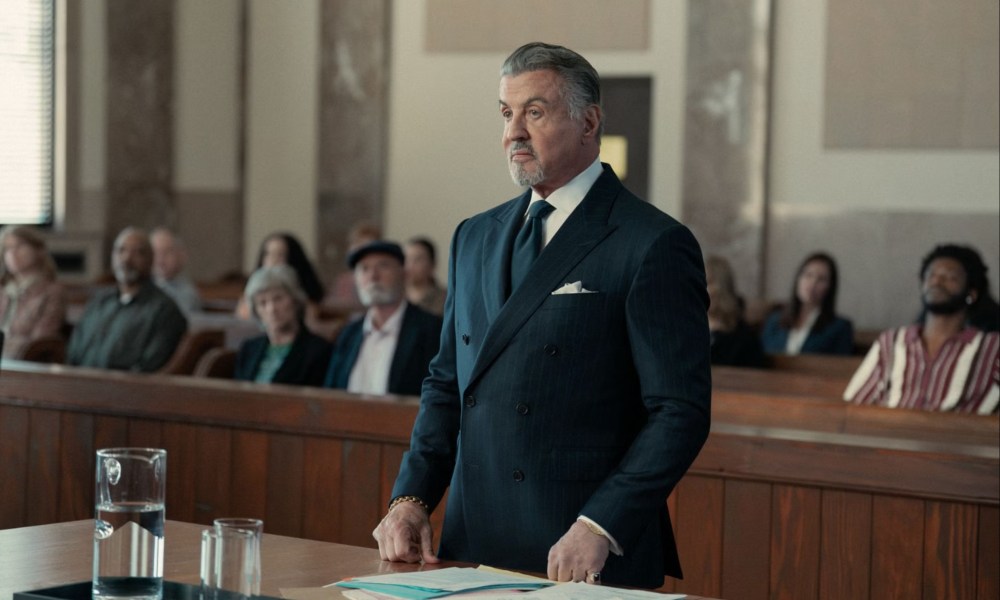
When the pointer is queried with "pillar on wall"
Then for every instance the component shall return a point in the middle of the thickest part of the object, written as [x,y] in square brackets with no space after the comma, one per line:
[140,114]
[726,132]
[353,122]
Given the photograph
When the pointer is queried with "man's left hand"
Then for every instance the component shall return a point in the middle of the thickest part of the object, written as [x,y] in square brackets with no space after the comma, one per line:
[577,555]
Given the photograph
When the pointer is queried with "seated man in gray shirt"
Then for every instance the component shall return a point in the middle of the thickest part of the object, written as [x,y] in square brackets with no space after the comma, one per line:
[134,327]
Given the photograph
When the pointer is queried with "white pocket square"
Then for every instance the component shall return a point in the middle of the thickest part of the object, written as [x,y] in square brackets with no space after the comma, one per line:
[573,288]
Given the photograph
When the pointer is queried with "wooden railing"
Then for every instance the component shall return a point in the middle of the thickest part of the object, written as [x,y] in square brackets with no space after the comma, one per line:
[790,498]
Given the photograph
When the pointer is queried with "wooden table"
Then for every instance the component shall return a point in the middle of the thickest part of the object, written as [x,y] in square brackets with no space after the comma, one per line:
[62,553]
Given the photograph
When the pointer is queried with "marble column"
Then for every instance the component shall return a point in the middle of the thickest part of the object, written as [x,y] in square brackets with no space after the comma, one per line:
[140,37]
[354,100]
[726,133]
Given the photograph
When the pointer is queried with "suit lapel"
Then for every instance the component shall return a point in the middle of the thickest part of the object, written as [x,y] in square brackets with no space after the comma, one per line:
[496,255]
[585,229]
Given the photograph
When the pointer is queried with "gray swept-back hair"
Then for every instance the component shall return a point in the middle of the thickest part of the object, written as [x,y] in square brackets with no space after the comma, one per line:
[282,276]
[582,83]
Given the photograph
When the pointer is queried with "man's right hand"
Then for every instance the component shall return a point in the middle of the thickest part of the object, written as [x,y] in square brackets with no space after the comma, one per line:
[405,535]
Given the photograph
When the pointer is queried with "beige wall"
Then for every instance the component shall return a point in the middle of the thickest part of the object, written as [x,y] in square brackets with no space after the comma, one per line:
[206,95]
[282,122]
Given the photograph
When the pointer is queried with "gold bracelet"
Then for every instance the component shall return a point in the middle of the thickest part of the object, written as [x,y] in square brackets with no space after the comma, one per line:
[400,499]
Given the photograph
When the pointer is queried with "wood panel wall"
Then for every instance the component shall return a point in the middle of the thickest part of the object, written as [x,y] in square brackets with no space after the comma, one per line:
[823,500]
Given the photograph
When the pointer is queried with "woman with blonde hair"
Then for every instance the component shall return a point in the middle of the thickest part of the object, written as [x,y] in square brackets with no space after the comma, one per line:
[733,342]
[32,302]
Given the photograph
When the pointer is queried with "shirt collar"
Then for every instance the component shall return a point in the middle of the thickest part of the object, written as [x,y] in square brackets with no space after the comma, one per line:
[569,196]
[391,325]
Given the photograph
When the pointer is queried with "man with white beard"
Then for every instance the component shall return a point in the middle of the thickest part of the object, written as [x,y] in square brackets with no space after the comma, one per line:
[135,326]
[388,350]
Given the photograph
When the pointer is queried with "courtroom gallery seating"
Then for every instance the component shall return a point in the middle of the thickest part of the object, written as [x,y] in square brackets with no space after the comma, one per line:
[791,494]
[217,363]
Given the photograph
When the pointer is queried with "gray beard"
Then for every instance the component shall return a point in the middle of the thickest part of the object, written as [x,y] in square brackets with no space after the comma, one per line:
[523,178]
[378,297]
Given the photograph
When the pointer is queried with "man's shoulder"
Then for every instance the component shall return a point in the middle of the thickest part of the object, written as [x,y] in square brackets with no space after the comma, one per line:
[350,335]
[416,316]
[313,342]
[632,210]
[498,212]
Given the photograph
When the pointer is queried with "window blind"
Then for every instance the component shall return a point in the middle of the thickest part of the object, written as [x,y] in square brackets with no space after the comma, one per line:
[27,78]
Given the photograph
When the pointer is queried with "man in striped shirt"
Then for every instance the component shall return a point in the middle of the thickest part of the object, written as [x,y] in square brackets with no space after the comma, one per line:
[943,364]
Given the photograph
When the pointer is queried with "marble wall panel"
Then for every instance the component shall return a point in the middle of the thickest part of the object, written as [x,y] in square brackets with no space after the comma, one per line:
[912,74]
[725,132]
[353,122]
[140,114]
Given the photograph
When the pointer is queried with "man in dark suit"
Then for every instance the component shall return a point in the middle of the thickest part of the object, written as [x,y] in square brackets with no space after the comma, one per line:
[564,405]
[387,351]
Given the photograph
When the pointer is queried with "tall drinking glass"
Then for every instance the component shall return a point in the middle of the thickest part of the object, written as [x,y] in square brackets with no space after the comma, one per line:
[128,526]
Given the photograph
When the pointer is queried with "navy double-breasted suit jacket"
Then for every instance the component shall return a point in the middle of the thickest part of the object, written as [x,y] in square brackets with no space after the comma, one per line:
[542,407]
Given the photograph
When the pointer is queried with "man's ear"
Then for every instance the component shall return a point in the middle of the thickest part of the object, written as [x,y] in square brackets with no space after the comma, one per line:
[591,120]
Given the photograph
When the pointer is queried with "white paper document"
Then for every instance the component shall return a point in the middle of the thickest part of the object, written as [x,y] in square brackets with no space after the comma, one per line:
[583,591]
[494,584]
[438,583]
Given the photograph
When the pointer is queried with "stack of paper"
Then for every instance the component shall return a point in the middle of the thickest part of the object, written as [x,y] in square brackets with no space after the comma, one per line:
[439,583]
[494,584]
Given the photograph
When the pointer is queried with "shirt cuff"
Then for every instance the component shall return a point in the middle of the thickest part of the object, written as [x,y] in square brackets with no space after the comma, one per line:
[615,548]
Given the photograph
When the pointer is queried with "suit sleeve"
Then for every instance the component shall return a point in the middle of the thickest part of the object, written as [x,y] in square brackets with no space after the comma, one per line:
[427,466]
[667,324]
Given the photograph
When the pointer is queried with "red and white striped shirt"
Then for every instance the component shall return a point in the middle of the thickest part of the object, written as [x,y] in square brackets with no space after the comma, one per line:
[964,377]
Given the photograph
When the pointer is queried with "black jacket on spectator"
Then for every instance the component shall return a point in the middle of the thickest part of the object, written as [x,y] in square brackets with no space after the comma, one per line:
[419,340]
[305,364]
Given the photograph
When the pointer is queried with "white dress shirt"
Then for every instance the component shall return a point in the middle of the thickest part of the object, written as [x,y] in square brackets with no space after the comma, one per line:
[797,336]
[370,374]
[567,198]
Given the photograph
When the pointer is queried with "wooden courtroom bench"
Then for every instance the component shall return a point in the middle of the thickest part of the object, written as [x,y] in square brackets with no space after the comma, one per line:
[787,498]
[803,385]
[816,364]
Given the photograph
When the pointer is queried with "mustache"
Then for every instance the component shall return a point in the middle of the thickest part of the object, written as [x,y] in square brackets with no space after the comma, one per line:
[519,146]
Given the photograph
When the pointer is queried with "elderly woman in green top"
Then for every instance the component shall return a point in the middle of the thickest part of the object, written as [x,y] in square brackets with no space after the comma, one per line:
[287,352]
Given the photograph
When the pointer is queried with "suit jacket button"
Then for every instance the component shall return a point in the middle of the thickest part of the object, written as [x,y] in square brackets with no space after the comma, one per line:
[465,339]
[470,400]
[522,408]
[551,349]
[518,475]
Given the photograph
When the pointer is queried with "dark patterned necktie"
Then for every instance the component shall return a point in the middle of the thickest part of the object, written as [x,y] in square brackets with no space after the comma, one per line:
[528,243]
